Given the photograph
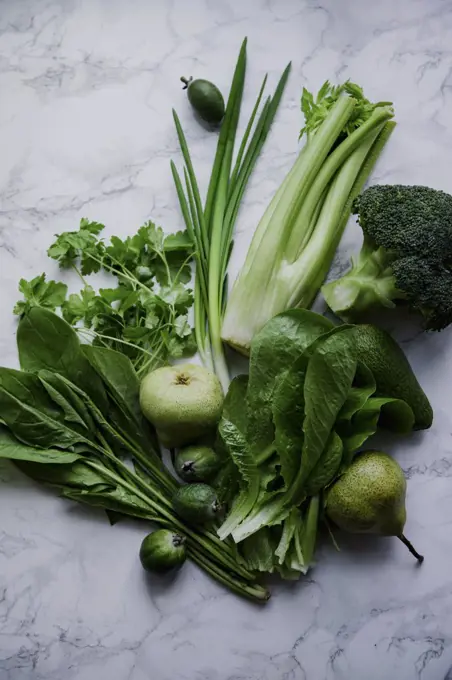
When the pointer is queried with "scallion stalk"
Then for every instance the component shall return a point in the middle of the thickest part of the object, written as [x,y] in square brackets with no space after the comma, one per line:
[212,232]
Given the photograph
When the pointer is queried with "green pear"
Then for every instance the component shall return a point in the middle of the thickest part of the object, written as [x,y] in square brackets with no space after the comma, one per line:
[369,498]
[183,402]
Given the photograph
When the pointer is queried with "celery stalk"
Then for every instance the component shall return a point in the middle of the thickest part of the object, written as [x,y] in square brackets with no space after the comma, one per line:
[294,243]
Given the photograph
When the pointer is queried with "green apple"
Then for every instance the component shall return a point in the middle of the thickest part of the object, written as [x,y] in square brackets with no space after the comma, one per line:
[182,402]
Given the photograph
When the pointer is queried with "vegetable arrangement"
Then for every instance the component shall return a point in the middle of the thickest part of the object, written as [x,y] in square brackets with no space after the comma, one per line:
[310,391]
[71,416]
[267,459]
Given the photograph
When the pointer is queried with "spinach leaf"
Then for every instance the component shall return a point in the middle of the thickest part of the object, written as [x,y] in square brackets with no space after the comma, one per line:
[62,387]
[45,341]
[118,374]
[273,350]
[115,500]
[12,448]
[123,387]
[61,399]
[76,475]
[30,415]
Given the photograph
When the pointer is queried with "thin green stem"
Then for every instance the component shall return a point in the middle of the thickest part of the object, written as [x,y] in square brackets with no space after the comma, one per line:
[252,592]
[110,337]
[234,99]
[246,135]
[193,181]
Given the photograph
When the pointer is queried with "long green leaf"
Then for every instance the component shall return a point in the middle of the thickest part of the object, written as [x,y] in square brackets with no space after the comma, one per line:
[31,419]
[45,341]
[241,455]
[329,377]
[235,94]
[13,449]
[249,127]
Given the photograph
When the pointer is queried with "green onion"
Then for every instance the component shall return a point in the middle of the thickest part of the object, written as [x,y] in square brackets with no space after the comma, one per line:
[212,228]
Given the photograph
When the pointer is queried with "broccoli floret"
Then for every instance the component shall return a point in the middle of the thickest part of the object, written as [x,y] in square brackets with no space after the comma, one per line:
[406,256]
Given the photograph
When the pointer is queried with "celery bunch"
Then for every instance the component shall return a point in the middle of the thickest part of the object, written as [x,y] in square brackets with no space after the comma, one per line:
[295,241]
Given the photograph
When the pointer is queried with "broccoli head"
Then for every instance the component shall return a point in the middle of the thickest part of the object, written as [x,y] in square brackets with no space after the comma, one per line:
[406,256]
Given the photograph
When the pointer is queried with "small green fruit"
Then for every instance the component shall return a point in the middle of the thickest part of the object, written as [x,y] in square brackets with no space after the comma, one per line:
[206,99]
[162,551]
[197,503]
[197,463]
[183,402]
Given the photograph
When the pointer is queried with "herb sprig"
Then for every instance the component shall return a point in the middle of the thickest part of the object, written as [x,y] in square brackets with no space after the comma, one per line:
[146,314]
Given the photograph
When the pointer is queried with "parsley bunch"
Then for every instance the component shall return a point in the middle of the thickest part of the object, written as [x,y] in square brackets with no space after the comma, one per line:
[145,315]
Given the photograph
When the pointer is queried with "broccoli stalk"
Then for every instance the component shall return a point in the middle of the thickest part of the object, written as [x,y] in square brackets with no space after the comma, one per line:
[406,257]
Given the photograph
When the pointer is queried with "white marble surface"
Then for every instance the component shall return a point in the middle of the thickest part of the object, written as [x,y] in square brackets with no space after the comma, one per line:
[85,130]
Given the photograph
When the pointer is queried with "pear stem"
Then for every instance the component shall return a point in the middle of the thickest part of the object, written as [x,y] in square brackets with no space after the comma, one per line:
[420,558]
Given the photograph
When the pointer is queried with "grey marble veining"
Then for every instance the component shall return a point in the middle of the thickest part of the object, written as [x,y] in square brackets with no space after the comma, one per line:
[86,90]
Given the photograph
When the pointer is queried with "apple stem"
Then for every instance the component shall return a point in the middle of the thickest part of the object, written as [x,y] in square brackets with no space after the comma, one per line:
[413,551]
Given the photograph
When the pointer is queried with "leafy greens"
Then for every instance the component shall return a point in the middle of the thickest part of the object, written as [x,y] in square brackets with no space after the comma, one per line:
[291,428]
[146,314]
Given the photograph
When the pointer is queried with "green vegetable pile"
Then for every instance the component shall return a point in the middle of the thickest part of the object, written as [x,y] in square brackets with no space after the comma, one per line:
[71,417]
[267,459]
[294,425]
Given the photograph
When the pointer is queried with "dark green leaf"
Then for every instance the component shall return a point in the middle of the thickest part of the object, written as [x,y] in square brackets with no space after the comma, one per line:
[12,448]
[242,456]
[326,467]
[45,341]
[234,407]
[30,415]
[77,475]
[329,377]
[61,398]
[63,386]
[123,386]
[273,349]
[288,409]
[117,501]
